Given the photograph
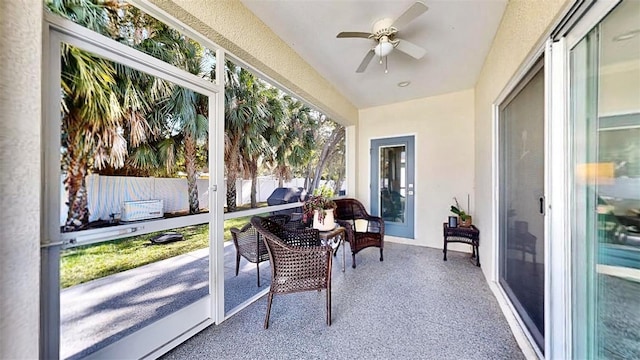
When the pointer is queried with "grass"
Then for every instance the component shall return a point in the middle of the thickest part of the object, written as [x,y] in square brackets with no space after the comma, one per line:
[90,262]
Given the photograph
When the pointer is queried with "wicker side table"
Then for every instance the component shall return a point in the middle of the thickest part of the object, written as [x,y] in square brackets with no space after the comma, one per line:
[465,235]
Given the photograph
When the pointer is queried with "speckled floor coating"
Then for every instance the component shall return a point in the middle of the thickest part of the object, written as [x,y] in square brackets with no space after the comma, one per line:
[411,306]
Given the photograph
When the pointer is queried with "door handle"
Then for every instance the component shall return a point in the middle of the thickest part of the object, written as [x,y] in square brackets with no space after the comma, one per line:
[541,199]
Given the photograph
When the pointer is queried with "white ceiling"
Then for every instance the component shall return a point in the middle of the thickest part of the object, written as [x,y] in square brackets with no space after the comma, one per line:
[456,34]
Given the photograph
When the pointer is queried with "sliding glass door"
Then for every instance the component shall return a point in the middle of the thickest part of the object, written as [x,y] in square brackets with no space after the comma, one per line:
[605,108]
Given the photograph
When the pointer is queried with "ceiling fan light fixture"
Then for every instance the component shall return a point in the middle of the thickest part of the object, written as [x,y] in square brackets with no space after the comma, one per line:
[627,35]
[383,48]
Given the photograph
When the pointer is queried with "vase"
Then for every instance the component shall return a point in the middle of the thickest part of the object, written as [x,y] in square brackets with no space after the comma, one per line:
[465,223]
[328,223]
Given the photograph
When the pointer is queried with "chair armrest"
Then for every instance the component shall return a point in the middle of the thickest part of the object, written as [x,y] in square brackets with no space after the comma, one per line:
[235,230]
[348,229]
[378,224]
[243,235]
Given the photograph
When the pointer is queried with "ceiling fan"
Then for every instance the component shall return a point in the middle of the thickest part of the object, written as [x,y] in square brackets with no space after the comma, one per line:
[385,32]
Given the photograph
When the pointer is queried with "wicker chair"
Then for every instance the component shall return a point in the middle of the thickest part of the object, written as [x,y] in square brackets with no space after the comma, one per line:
[299,262]
[249,245]
[346,214]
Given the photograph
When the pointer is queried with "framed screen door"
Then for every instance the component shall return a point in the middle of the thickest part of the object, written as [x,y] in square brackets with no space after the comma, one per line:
[131,312]
[521,231]
[392,184]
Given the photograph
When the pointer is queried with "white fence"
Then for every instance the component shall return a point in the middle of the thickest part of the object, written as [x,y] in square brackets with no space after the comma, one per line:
[106,194]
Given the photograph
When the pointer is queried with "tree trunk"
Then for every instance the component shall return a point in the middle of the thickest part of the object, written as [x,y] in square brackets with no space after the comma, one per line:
[336,136]
[280,182]
[231,192]
[190,164]
[307,179]
[253,171]
[75,183]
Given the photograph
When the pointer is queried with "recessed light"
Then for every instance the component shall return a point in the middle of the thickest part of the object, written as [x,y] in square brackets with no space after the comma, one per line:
[404,83]
[626,36]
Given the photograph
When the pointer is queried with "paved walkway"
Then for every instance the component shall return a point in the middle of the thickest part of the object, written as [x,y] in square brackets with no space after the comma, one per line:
[100,312]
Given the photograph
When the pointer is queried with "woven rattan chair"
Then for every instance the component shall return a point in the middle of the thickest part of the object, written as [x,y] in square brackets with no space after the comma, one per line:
[249,245]
[299,261]
[347,213]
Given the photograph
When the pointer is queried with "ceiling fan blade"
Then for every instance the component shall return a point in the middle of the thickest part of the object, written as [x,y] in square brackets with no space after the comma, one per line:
[353,34]
[411,49]
[365,62]
[411,13]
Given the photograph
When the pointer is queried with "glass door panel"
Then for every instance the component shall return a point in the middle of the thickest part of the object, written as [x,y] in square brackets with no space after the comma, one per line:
[521,265]
[392,195]
[605,100]
[393,183]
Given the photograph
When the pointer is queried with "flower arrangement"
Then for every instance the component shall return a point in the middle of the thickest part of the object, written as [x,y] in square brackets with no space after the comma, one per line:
[457,209]
[320,200]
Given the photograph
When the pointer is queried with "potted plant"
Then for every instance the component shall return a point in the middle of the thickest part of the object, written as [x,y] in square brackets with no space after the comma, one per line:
[465,219]
[320,206]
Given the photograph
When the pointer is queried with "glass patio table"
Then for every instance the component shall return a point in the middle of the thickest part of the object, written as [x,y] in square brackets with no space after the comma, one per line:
[335,238]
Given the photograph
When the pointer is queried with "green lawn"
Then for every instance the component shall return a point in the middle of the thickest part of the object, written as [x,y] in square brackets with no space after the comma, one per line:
[86,263]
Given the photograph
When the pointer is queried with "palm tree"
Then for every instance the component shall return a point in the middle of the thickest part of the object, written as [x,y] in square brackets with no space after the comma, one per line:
[107,123]
[293,139]
[183,112]
[92,112]
[246,112]
[91,115]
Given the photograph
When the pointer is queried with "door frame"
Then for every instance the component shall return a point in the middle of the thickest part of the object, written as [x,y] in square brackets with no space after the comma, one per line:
[578,339]
[152,340]
[408,229]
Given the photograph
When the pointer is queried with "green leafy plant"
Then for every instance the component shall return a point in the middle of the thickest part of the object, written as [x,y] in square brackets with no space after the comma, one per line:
[457,209]
[320,200]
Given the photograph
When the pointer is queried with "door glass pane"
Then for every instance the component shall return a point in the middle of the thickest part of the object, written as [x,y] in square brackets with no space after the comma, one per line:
[134,189]
[522,188]
[605,96]
[393,183]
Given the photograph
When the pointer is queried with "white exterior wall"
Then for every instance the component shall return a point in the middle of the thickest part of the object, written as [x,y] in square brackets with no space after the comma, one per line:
[443,127]
[523,25]
[20,165]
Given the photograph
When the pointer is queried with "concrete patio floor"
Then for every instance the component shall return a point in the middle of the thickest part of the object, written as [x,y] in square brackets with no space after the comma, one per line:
[412,305]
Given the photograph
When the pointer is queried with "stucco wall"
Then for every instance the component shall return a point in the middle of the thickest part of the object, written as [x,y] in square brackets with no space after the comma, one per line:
[20,83]
[232,26]
[523,25]
[443,129]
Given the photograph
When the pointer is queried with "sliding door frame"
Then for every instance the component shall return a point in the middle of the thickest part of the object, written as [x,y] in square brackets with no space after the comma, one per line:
[578,339]
[559,268]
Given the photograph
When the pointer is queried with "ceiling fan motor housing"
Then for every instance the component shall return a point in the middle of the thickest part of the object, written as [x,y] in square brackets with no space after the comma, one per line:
[383,28]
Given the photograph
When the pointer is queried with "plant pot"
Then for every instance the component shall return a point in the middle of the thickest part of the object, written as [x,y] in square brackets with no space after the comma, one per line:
[328,224]
[465,223]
